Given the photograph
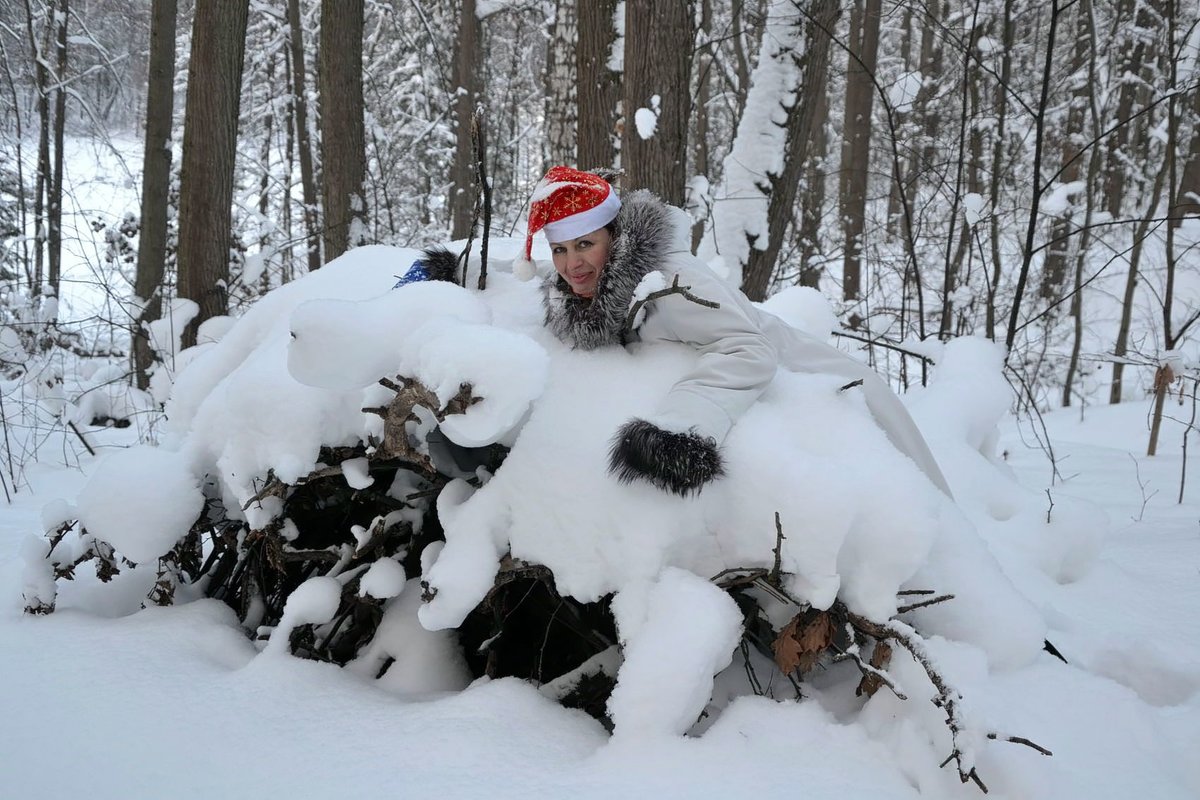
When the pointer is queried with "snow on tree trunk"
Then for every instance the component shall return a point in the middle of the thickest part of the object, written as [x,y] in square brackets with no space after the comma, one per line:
[762,170]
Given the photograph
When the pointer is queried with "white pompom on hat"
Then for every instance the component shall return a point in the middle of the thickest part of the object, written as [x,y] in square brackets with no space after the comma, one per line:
[566,204]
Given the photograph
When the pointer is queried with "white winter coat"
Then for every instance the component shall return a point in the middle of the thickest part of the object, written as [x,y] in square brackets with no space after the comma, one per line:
[740,346]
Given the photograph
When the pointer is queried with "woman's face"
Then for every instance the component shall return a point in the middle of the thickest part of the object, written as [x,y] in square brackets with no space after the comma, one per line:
[580,261]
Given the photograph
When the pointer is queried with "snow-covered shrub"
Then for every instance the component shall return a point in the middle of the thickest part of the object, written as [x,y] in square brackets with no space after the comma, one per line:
[369,474]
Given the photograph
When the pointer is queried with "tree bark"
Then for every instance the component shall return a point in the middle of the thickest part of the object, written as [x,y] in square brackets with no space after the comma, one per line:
[856,140]
[598,87]
[156,183]
[55,194]
[1055,270]
[659,36]
[561,92]
[756,277]
[700,132]
[343,144]
[814,187]
[209,155]
[303,142]
[468,85]
[42,179]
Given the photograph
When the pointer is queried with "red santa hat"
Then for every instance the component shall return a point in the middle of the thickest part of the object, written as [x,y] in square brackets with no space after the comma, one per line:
[566,204]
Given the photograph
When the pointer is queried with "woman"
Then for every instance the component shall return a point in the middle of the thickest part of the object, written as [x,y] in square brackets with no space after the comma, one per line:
[603,249]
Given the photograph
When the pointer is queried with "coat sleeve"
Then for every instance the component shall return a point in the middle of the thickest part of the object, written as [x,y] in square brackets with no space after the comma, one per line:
[737,359]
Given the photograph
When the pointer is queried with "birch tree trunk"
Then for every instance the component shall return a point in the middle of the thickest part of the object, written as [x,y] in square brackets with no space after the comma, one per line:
[561,93]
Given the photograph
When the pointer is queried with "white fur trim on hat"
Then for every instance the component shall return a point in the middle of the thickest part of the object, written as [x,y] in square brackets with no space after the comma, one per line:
[523,269]
[577,225]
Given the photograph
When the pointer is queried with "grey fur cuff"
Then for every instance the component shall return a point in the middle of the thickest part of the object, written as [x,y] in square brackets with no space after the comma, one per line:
[680,463]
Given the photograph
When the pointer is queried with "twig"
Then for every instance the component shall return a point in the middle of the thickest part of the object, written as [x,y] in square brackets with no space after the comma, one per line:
[869,671]
[886,344]
[777,568]
[922,604]
[479,136]
[851,385]
[751,675]
[674,288]
[1020,740]
[76,431]
[1050,497]
[1137,470]
[1190,427]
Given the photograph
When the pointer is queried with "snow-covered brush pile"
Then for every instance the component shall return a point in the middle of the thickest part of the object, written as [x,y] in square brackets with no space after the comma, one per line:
[413,483]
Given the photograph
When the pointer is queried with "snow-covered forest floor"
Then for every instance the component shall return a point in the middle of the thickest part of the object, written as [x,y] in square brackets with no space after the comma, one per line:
[102,700]
[177,701]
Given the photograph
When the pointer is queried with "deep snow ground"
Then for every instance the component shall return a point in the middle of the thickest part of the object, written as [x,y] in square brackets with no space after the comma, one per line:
[174,702]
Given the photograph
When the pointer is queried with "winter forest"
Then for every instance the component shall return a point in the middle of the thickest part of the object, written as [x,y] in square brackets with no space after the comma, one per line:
[279,517]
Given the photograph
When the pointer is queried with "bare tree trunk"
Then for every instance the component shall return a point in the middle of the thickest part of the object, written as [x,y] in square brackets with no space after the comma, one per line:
[598,87]
[1055,270]
[209,154]
[264,162]
[814,67]
[343,144]
[43,162]
[998,148]
[1163,376]
[659,36]
[468,86]
[741,62]
[701,164]
[1090,194]
[894,212]
[856,140]
[1121,348]
[22,210]
[950,268]
[814,185]
[1130,56]
[1038,187]
[308,182]
[55,193]
[156,183]
[561,100]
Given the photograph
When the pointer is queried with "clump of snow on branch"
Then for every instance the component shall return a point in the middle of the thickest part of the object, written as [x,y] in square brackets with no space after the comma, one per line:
[123,502]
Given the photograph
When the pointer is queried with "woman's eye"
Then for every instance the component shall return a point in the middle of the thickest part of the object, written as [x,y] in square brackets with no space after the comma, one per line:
[583,244]
[558,250]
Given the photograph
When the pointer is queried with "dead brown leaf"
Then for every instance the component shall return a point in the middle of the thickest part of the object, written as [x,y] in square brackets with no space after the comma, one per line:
[881,656]
[802,641]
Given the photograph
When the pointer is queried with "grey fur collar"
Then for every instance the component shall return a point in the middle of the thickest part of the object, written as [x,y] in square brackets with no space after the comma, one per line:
[642,241]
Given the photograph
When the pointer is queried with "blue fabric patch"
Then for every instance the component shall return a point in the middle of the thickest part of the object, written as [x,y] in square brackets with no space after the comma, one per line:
[416,273]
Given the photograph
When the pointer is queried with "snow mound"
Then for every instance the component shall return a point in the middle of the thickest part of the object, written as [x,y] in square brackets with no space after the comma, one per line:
[811,481]
[141,501]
